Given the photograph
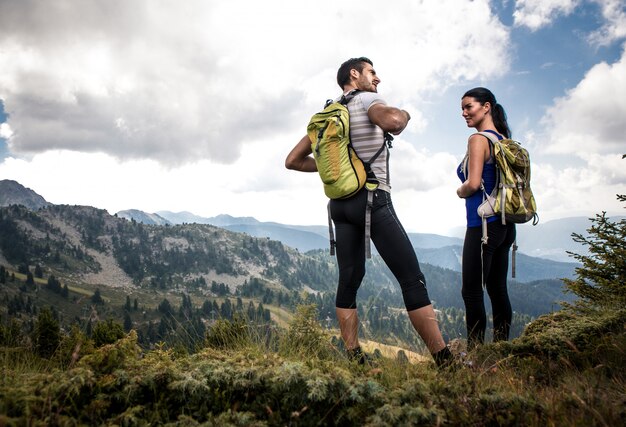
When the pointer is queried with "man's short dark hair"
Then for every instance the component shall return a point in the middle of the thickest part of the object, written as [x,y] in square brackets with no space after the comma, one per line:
[343,74]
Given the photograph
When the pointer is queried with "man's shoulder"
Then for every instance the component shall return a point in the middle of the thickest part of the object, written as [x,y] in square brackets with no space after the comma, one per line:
[370,98]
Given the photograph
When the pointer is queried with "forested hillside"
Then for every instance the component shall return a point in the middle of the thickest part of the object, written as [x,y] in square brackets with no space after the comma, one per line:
[181,278]
[105,321]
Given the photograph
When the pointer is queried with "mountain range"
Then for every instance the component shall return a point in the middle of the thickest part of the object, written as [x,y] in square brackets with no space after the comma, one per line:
[88,248]
[441,251]
[542,254]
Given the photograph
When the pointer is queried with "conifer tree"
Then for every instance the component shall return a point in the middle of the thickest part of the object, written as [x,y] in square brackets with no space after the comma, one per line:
[128,322]
[47,333]
[107,332]
[601,280]
[96,298]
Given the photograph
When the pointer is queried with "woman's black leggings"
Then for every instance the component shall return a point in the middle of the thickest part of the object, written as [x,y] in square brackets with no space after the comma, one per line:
[490,261]
[392,244]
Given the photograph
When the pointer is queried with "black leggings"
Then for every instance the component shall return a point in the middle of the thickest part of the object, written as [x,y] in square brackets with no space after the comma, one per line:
[392,244]
[495,265]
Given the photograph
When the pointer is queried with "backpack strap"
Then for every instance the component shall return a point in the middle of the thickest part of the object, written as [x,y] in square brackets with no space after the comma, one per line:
[331,233]
[371,185]
[368,223]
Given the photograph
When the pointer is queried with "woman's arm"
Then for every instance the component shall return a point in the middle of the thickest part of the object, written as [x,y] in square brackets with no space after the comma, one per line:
[300,157]
[478,151]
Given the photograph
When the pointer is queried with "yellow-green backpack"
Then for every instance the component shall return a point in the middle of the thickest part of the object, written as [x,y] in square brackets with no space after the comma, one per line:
[340,169]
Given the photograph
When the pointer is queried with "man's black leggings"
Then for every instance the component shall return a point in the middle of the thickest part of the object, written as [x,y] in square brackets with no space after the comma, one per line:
[390,240]
[492,261]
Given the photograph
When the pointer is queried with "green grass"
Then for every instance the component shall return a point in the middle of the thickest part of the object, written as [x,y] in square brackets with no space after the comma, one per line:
[565,370]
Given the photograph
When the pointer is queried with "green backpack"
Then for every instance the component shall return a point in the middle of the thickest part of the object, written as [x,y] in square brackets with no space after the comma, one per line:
[340,169]
[512,198]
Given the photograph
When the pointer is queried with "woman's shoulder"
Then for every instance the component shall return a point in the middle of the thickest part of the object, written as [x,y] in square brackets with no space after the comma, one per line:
[478,139]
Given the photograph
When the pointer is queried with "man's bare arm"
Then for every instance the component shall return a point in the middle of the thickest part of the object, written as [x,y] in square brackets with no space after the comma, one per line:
[389,119]
[300,157]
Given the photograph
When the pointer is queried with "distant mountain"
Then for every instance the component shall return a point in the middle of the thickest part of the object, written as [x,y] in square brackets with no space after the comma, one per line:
[304,241]
[433,241]
[219,221]
[527,268]
[552,239]
[143,217]
[14,193]
[437,250]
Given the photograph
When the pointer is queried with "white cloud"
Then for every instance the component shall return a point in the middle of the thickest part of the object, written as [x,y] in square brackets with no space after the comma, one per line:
[536,14]
[591,117]
[585,129]
[614,28]
[200,80]
[579,190]
[5,131]
[421,170]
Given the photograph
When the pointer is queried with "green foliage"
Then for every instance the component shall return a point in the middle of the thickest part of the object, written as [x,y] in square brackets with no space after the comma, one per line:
[601,280]
[228,334]
[305,336]
[47,334]
[73,346]
[107,332]
[96,298]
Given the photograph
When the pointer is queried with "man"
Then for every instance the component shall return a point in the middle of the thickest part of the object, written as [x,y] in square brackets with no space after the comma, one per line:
[370,119]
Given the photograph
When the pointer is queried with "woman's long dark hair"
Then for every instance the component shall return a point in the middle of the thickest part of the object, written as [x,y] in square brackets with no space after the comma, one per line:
[498,114]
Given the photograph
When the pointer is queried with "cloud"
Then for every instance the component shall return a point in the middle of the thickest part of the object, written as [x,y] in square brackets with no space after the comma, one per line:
[589,119]
[584,132]
[614,28]
[5,131]
[579,190]
[421,170]
[536,14]
[199,80]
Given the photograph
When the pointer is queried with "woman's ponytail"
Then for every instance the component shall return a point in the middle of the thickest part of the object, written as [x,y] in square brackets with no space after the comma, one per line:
[499,120]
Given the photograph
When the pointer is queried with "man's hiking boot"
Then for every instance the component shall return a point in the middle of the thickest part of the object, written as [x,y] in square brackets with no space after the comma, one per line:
[358,355]
[444,358]
[453,356]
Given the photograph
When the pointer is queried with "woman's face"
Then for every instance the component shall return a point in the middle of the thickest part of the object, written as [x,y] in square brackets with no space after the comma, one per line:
[473,112]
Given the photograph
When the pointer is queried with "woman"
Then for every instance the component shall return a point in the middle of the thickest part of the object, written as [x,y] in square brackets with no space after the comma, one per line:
[484,264]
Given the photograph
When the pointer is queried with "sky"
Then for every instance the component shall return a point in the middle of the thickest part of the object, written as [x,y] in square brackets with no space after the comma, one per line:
[193,106]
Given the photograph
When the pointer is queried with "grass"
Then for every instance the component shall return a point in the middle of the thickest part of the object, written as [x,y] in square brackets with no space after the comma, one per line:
[296,377]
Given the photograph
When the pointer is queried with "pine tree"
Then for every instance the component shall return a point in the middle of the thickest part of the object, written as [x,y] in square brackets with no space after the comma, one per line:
[128,322]
[47,333]
[601,280]
[96,298]
[107,332]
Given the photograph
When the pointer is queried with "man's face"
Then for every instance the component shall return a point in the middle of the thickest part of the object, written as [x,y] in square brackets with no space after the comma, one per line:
[367,79]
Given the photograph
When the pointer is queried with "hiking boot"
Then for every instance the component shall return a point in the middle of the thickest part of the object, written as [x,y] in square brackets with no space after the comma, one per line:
[359,356]
[444,358]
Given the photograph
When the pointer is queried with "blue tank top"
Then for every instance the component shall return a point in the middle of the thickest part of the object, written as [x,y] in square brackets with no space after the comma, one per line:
[472,202]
